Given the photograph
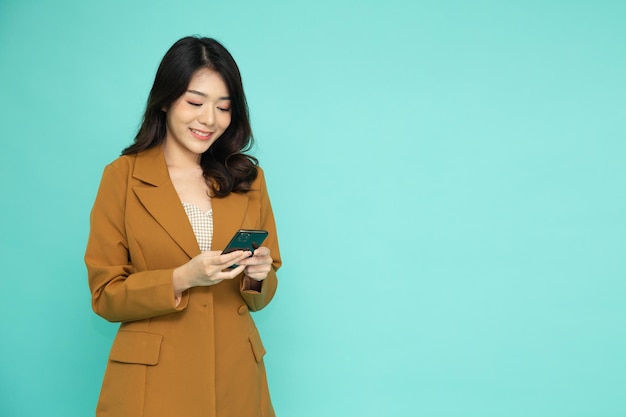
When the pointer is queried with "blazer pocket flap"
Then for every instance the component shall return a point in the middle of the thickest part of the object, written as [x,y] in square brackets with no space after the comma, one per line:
[136,347]
[257,345]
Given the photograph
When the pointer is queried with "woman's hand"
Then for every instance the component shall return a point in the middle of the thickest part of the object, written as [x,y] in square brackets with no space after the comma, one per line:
[259,265]
[208,268]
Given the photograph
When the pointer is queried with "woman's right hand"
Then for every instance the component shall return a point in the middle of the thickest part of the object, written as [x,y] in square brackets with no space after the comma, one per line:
[207,268]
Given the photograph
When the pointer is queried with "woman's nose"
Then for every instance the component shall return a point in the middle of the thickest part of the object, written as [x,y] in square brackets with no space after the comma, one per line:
[207,117]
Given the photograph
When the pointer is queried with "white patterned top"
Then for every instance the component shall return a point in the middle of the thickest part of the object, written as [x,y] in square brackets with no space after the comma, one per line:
[202,225]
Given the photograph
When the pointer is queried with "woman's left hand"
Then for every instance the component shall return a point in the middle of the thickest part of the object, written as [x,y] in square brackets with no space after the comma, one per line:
[258,265]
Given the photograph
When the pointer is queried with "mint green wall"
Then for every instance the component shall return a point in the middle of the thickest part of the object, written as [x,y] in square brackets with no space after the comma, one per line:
[449,183]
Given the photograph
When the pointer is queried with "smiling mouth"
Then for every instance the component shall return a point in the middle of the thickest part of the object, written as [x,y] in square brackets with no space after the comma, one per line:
[200,134]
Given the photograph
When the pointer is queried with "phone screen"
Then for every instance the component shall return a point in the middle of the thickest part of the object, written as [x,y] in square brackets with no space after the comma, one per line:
[246,240]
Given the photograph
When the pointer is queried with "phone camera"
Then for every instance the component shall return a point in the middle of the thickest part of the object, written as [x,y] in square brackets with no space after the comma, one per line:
[243,237]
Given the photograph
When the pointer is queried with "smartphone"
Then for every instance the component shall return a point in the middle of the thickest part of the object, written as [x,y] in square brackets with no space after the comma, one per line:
[245,240]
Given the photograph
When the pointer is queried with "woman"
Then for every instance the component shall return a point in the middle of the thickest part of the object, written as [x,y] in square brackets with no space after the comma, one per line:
[187,345]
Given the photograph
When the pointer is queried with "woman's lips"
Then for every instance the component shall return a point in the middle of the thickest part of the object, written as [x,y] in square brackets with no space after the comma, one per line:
[199,134]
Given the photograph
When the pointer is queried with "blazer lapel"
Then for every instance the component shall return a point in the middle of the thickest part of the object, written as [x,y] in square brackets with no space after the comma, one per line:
[159,197]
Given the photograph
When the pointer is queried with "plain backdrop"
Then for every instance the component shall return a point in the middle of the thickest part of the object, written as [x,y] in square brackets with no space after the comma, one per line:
[448,179]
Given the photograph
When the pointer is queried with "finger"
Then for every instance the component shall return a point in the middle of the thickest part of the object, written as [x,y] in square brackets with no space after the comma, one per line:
[231,273]
[212,253]
[266,267]
[262,251]
[227,273]
[217,258]
[257,276]
[213,265]
[231,258]
[261,256]
[256,260]
[258,272]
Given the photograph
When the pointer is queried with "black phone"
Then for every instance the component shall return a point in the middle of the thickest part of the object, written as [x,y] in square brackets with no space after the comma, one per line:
[245,239]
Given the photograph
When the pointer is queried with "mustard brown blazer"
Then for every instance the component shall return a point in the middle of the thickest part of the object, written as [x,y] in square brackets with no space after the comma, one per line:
[204,357]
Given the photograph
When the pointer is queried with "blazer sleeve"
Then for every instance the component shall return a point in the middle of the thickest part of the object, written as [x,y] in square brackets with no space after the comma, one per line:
[118,292]
[257,300]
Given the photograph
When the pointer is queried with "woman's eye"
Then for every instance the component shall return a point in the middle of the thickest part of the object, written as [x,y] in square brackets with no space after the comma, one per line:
[195,104]
[223,109]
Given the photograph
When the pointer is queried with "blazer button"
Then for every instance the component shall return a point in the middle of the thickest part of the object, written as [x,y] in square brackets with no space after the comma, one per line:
[242,310]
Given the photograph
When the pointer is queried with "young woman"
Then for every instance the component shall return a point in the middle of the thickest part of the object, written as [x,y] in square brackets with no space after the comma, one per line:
[187,345]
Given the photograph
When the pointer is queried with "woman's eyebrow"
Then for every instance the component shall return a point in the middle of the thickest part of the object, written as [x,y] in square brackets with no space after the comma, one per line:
[200,93]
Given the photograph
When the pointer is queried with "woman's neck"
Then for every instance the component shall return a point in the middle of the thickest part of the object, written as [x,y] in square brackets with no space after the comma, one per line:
[180,159]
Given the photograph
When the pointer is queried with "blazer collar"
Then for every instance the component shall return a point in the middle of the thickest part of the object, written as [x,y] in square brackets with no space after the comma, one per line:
[150,167]
[158,195]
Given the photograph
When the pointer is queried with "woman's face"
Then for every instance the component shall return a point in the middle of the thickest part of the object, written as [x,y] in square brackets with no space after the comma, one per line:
[199,116]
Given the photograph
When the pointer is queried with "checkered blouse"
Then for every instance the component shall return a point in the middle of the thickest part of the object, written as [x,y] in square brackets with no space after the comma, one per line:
[202,225]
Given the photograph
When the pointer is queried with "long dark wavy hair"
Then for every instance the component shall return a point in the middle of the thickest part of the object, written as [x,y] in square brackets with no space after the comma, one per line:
[226,166]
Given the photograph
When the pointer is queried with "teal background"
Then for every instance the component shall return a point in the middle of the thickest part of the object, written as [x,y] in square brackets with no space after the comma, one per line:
[448,179]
